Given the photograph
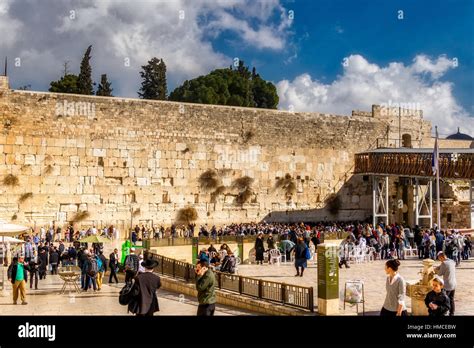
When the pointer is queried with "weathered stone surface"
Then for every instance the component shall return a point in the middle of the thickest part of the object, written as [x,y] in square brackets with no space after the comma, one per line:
[160,153]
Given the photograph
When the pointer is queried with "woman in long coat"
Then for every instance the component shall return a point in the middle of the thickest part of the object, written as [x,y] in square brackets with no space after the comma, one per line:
[300,257]
[259,249]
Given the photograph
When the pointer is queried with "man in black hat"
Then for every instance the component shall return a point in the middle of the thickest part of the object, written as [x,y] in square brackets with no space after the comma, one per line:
[148,282]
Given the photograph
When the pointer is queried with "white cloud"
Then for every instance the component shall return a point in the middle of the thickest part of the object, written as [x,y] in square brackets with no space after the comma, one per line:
[9,27]
[363,83]
[134,30]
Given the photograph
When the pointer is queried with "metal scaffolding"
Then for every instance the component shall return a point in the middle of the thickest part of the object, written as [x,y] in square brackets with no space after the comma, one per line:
[380,198]
[423,199]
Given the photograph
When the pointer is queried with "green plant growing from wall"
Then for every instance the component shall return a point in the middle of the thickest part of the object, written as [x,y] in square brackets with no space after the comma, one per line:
[247,136]
[25,196]
[217,192]
[209,180]
[244,187]
[186,215]
[136,212]
[49,169]
[287,184]
[11,180]
[80,216]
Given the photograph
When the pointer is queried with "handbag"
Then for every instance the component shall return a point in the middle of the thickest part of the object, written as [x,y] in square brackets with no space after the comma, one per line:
[307,254]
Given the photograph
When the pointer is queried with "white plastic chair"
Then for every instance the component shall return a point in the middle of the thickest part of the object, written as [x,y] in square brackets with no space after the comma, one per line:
[275,255]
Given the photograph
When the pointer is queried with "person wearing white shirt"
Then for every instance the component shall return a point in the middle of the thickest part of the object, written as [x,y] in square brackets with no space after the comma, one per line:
[394,304]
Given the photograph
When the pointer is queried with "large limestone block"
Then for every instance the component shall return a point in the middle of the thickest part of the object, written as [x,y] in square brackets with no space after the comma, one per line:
[90,199]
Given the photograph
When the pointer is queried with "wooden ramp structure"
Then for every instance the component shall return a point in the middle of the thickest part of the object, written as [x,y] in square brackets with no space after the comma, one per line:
[416,165]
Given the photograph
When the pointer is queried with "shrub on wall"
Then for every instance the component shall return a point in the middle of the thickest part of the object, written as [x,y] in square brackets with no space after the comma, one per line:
[244,186]
[80,216]
[287,184]
[25,196]
[11,180]
[186,215]
[209,180]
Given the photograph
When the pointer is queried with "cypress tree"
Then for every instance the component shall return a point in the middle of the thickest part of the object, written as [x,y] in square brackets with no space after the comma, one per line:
[84,80]
[104,89]
[154,80]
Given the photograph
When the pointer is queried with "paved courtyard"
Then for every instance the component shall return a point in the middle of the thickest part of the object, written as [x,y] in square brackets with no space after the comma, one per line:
[48,301]
[374,277]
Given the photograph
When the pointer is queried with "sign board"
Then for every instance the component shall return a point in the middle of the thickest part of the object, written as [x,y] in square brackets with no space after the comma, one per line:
[195,250]
[328,272]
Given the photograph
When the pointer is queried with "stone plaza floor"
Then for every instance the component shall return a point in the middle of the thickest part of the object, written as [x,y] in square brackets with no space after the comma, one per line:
[48,301]
[373,276]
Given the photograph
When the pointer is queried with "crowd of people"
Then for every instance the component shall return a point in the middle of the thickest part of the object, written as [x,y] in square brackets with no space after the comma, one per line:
[44,251]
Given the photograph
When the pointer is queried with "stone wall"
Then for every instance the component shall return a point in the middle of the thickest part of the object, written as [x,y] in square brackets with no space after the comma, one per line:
[111,155]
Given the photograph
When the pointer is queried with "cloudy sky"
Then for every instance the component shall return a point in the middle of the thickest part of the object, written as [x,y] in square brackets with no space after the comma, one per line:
[326,56]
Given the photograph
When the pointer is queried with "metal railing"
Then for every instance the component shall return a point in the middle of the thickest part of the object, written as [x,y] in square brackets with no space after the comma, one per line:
[179,241]
[286,294]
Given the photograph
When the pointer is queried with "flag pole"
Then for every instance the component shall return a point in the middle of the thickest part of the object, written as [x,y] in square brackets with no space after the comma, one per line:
[438,203]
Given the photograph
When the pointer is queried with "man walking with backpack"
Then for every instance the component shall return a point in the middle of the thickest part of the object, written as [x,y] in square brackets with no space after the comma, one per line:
[90,269]
[102,267]
[131,266]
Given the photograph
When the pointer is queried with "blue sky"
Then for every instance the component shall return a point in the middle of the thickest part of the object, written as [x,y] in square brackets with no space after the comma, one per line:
[324,32]
[409,60]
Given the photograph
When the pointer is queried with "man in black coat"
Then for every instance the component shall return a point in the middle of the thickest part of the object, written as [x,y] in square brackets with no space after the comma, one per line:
[148,283]
[43,263]
[33,268]
[54,260]
[259,249]
[113,264]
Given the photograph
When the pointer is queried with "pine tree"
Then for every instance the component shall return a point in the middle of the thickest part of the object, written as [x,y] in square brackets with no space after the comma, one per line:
[84,80]
[154,80]
[104,89]
[67,84]
[231,86]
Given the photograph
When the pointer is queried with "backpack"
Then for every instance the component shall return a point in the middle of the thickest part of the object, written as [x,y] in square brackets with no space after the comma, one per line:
[93,268]
[100,264]
[129,296]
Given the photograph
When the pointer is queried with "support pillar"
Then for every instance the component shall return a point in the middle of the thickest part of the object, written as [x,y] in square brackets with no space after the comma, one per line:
[471,201]
[379,199]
